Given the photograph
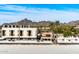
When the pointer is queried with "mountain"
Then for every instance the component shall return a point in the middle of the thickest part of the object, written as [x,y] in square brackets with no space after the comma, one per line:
[74,23]
[40,23]
[44,23]
[29,22]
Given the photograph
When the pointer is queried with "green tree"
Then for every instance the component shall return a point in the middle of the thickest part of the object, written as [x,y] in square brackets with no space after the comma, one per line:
[57,23]
[66,30]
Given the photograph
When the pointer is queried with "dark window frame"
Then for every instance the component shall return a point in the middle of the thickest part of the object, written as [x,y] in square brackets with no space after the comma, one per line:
[11,32]
[21,32]
[29,33]
[6,26]
[4,32]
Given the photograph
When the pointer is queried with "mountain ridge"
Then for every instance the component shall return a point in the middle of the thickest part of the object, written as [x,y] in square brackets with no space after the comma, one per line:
[29,22]
[25,21]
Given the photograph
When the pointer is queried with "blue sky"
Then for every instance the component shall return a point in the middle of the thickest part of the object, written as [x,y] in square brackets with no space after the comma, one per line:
[39,12]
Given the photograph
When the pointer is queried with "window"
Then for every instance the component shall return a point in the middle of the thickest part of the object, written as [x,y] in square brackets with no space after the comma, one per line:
[29,33]
[0,33]
[48,35]
[45,39]
[55,36]
[21,33]
[5,25]
[17,26]
[13,26]
[25,26]
[69,40]
[48,39]
[3,32]
[10,26]
[22,26]
[75,39]
[11,32]
[62,39]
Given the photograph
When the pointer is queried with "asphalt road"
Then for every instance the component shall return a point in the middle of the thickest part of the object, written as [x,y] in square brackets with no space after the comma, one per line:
[38,49]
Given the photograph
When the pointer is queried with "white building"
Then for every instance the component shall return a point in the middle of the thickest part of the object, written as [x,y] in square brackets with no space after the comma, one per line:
[66,40]
[18,32]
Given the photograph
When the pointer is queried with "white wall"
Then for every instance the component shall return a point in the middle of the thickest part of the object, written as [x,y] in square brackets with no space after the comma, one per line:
[16,32]
[68,39]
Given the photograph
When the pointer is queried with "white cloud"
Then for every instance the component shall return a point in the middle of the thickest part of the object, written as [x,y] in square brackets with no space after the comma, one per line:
[37,14]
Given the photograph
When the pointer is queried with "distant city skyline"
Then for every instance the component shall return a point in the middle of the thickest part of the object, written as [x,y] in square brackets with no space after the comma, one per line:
[39,12]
